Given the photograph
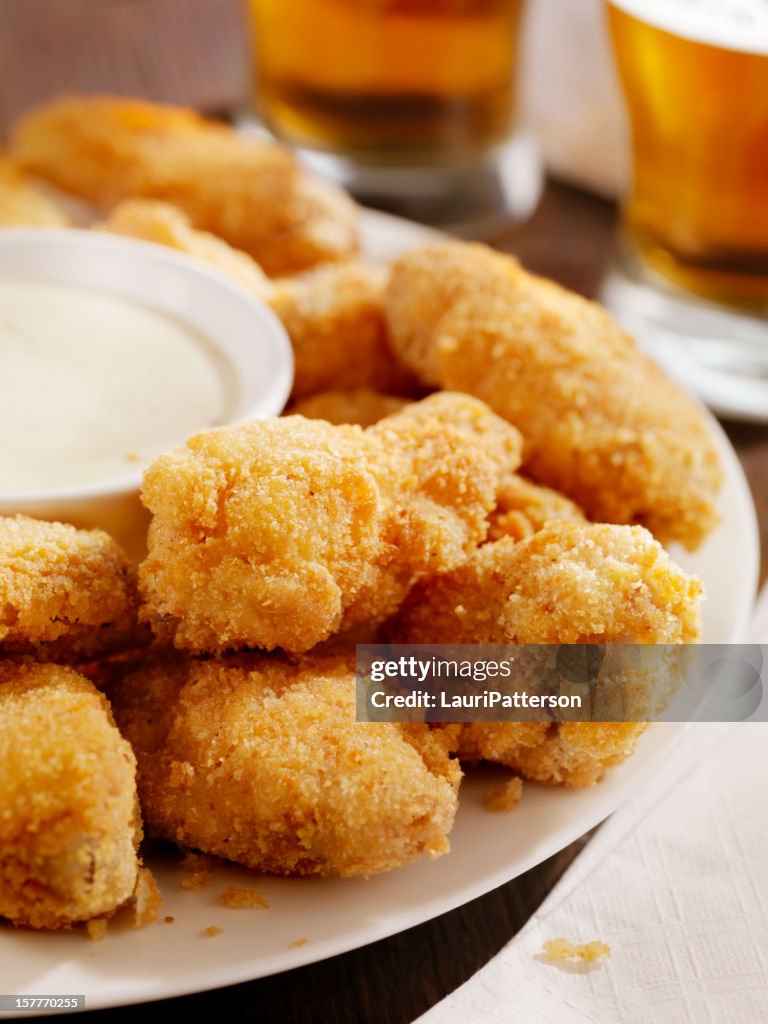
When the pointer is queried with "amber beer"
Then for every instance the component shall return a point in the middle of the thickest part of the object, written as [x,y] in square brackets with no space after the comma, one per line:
[695,80]
[389,81]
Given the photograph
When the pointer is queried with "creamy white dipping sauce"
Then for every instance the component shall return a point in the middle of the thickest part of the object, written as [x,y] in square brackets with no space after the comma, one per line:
[94,387]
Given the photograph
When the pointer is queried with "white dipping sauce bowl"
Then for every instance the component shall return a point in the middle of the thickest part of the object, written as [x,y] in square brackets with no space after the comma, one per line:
[242,327]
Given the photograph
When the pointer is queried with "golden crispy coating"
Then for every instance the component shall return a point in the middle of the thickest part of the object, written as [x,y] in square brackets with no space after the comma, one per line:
[573,754]
[250,192]
[259,534]
[523,507]
[334,316]
[69,819]
[24,202]
[280,532]
[569,583]
[165,224]
[601,422]
[361,406]
[65,594]
[441,463]
[262,762]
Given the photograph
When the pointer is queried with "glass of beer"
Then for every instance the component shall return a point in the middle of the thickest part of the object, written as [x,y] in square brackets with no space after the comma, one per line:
[409,103]
[693,281]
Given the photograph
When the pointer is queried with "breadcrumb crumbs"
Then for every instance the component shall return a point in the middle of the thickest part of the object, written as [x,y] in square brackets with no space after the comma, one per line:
[243,897]
[97,928]
[147,899]
[298,942]
[506,797]
[560,951]
[169,919]
[196,880]
[212,931]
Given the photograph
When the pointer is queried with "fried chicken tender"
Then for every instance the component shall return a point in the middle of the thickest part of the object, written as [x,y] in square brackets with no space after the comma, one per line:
[24,202]
[602,423]
[164,224]
[449,456]
[281,532]
[568,583]
[69,816]
[334,316]
[572,583]
[523,507]
[65,594]
[249,191]
[262,762]
[361,406]
[572,754]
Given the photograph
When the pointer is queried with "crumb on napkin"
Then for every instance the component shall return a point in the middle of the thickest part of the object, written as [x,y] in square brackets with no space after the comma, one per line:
[561,951]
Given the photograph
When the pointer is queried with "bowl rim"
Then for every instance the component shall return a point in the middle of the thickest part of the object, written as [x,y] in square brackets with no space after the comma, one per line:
[152,253]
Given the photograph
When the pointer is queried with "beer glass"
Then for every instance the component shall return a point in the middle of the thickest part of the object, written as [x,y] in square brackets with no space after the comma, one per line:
[412,104]
[693,280]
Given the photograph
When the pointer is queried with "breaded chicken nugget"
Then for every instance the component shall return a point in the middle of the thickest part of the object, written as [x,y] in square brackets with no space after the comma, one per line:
[334,316]
[523,507]
[249,191]
[165,224]
[361,406]
[448,456]
[24,202]
[602,423]
[69,814]
[65,594]
[573,754]
[568,583]
[280,532]
[262,762]
[260,533]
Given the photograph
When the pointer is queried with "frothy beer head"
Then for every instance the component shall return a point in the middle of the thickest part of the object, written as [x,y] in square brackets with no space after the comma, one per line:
[730,24]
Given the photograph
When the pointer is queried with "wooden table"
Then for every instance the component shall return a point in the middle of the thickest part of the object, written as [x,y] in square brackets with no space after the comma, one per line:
[393,981]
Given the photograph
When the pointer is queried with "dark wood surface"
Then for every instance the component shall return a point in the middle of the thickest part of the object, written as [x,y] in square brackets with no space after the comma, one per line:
[392,982]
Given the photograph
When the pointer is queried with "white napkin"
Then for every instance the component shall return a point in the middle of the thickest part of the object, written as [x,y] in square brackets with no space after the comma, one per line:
[676,883]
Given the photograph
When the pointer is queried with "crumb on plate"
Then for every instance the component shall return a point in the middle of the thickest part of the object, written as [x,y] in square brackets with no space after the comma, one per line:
[147,899]
[212,931]
[169,919]
[242,897]
[298,942]
[96,928]
[506,797]
[196,880]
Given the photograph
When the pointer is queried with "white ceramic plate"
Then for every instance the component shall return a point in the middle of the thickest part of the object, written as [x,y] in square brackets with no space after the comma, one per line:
[333,916]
